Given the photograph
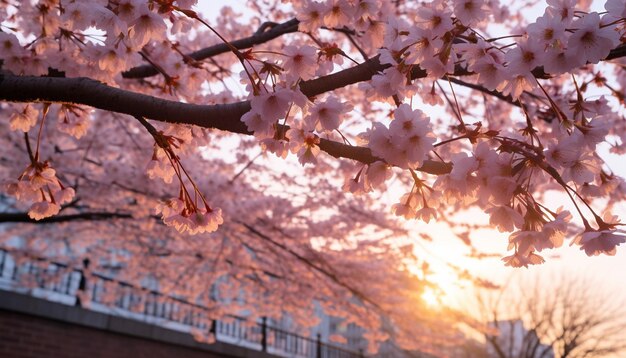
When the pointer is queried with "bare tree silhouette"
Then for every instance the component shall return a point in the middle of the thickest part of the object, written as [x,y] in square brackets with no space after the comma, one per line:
[560,317]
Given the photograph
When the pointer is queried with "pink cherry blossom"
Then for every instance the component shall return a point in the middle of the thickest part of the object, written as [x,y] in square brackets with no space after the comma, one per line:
[111,59]
[148,26]
[73,122]
[272,105]
[490,72]
[504,218]
[616,9]
[40,177]
[311,15]
[280,147]
[524,57]
[337,12]
[43,209]
[591,42]
[469,12]
[24,120]
[160,167]
[77,15]
[262,126]
[437,20]
[205,221]
[300,61]
[385,85]
[22,191]
[521,260]
[517,84]
[410,127]
[564,153]
[423,45]
[582,170]
[563,9]
[557,61]
[600,242]
[548,30]
[377,173]
[327,115]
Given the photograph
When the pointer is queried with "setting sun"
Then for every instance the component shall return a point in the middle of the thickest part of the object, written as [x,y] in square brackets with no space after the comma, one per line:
[430,297]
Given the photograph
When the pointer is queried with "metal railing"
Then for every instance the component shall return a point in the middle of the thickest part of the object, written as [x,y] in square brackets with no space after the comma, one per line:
[70,285]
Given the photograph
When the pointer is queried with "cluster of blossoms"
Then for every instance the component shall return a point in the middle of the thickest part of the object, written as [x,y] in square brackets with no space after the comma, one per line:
[363,16]
[65,39]
[276,106]
[501,183]
[72,120]
[183,213]
[369,177]
[24,120]
[272,110]
[160,166]
[603,240]
[408,140]
[39,184]
[99,40]
[420,203]
[164,163]
[186,217]
[560,42]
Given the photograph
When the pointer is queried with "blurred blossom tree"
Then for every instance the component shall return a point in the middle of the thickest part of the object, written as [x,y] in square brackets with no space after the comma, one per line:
[568,320]
[141,134]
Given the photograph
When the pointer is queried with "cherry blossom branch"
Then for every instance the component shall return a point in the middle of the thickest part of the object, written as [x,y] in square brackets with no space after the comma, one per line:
[261,36]
[240,172]
[506,98]
[222,116]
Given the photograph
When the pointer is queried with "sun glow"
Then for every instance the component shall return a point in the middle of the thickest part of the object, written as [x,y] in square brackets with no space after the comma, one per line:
[441,294]
[431,297]
[446,290]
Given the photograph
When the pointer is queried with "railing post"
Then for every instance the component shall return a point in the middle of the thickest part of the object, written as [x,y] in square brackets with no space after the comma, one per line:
[81,290]
[264,334]
[319,346]
[3,259]
[213,329]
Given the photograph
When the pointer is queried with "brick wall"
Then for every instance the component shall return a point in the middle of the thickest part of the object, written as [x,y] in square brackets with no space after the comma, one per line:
[23,335]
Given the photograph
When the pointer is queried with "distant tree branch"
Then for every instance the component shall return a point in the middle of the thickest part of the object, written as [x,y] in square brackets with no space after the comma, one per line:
[88,216]
[484,90]
[260,36]
[326,272]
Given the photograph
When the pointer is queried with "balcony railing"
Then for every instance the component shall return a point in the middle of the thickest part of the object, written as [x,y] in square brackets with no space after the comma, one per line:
[67,284]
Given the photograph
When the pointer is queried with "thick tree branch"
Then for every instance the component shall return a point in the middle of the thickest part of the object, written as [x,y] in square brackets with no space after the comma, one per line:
[619,51]
[259,37]
[225,117]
